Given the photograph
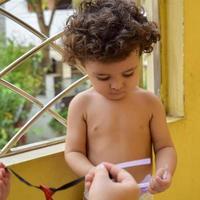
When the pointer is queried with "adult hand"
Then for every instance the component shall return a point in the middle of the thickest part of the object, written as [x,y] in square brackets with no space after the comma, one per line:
[102,187]
[4,182]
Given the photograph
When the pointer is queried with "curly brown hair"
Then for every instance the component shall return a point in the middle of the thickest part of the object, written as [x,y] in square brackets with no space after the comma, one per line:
[107,31]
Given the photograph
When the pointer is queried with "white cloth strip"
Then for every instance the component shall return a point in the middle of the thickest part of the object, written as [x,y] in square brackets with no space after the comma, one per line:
[143,185]
[134,163]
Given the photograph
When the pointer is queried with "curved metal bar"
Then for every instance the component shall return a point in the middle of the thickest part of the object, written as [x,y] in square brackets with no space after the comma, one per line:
[28,54]
[37,33]
[32,100]
[20,133]
[30,28]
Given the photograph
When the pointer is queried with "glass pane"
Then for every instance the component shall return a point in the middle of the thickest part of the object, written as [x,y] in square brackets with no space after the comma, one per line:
[150,73]
[43,75]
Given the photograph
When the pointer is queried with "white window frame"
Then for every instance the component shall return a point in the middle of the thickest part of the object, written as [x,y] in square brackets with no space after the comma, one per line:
[151,62]
[174,55]
[175,58]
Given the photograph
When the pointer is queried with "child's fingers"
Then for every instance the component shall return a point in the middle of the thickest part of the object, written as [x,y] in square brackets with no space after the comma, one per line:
[155,186]
[164,184]
[150,190]
[161,173]
[161,182]
[152,187]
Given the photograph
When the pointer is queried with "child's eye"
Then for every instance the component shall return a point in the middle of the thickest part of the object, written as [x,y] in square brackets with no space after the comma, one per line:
[103,78]
[128,75]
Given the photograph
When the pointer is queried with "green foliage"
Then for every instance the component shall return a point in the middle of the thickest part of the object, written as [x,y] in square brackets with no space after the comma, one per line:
[57,126]
[14,108]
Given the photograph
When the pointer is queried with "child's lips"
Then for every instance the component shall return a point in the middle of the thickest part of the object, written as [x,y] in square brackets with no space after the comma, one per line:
[117,93]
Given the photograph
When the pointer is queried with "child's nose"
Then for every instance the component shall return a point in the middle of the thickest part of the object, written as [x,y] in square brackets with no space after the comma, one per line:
[116,85]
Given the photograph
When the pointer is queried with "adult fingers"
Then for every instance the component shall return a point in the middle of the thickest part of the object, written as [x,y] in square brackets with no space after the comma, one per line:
[101,172]
[120,175]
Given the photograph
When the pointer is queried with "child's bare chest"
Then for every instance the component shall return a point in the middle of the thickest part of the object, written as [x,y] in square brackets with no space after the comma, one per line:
[118,133]
[115,136]
[119,123]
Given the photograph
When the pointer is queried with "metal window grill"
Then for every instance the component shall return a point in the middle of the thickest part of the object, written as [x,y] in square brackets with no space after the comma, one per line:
[44,108]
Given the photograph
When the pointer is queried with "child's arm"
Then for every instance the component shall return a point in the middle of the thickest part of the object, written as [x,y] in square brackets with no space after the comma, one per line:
[165,153]
[75,149]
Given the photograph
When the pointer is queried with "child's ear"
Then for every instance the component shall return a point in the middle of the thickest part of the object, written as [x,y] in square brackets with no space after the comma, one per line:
[138,51]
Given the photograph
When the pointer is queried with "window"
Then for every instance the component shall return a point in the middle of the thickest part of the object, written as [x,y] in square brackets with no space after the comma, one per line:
[166,81]
[31,76]
[151,62]
[39,75]
[175,58]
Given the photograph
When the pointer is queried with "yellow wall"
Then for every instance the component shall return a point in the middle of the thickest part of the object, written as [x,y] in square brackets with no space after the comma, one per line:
[51,171]
[186,133]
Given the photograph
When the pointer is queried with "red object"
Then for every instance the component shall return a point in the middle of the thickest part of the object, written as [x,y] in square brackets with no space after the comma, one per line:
[47,192]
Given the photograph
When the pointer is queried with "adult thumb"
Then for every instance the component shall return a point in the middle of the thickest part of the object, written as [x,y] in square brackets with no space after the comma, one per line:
[101,172]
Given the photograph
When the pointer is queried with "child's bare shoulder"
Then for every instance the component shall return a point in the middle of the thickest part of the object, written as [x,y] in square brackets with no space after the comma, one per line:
[82,99]
[149,97]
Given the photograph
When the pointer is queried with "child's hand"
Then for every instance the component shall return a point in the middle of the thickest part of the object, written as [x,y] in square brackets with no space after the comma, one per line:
[161,181]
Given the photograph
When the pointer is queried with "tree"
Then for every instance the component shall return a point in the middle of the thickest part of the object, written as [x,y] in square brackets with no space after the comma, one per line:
[36,6]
